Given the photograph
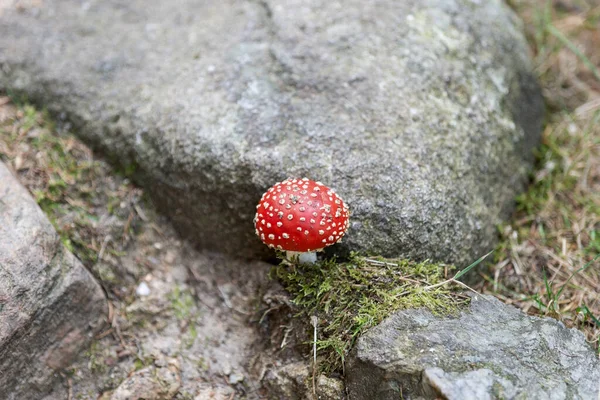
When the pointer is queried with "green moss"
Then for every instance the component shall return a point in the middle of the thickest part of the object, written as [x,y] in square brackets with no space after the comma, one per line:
[353,296]
[184,309]
[96,358]
[182,303]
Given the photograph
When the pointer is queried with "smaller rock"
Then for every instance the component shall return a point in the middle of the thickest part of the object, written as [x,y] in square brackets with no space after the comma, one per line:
[143,289]
[170,257]
[150,383]
[288,381]
[216,393]
[294,381]
[235,378]
[329,388]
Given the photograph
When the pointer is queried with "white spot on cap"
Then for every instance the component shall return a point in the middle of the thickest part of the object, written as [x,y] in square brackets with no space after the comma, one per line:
[302,219]
[330,238]
[285,236]
[290,216]
[299,229]
[268,224]
[321,232]
[306,232]
[312,221]
[279,224]
[282,201]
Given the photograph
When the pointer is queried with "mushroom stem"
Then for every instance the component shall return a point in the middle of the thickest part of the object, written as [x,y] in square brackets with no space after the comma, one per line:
[307,257]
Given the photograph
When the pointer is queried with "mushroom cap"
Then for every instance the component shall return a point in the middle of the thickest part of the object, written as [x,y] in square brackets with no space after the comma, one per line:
[300,215]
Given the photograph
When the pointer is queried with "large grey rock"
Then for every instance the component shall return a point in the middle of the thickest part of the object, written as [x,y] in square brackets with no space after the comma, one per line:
[50,305]
[492,351]
[422,114]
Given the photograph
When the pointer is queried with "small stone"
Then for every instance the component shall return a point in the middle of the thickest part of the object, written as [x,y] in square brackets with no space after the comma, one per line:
[149,384]
[143,289]
[235,378]
[170,257]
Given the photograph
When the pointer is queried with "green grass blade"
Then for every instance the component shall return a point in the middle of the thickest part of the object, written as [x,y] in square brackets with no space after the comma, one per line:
[589,314]
[549,293]
[470,267]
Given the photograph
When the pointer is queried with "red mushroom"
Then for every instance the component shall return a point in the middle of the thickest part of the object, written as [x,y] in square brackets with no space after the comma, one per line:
[300,217]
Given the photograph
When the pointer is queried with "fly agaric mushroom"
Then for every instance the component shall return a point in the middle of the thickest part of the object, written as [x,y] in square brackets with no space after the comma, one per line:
[300,217]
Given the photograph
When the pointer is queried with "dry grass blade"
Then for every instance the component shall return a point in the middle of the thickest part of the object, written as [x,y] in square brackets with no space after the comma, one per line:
[548,260]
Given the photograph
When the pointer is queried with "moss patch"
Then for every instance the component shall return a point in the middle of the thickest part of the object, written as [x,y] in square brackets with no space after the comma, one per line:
[350,297]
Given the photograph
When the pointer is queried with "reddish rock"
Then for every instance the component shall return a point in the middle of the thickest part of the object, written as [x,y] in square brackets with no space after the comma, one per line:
[50,305]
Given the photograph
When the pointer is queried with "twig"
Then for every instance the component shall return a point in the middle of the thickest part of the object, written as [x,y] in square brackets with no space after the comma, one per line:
[314,321]
[70,384]
[107,239]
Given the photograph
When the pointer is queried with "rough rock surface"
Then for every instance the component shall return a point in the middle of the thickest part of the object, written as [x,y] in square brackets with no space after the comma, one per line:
[421,114]
[492,351]
[50,305]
